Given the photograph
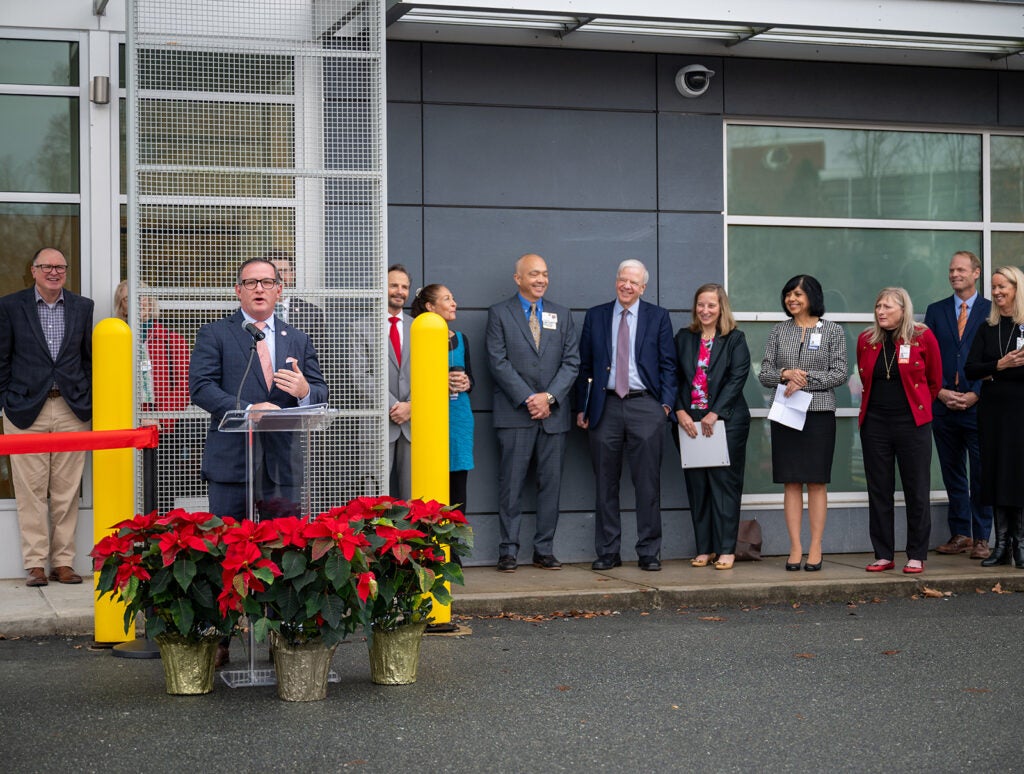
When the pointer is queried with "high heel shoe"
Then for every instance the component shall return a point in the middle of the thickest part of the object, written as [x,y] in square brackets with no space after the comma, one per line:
[792,566]
[808,567]
[698,562]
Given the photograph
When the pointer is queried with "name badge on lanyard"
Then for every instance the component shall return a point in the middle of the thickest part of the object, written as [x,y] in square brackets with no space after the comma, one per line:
[814,343]
[904,354]
[549,321]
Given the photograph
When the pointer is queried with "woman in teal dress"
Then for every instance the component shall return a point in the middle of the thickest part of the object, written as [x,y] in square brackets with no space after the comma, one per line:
[438,299]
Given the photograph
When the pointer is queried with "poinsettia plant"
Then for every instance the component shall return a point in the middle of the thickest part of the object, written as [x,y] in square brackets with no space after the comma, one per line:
[170,567]
[406,556]
[303,579]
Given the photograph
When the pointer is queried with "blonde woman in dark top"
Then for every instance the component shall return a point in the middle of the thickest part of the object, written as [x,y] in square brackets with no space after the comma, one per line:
[806,352]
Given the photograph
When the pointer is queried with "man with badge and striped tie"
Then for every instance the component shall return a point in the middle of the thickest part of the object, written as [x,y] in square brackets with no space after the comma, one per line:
[532,350]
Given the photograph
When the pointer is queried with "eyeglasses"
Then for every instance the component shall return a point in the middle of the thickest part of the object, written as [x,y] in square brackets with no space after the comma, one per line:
[47,268]
[267,283]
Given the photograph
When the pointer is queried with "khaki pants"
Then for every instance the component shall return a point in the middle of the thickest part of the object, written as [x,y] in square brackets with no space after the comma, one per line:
[48,532]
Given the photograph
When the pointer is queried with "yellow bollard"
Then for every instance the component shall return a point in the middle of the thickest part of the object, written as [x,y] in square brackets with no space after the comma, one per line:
[112,470]
[428,371]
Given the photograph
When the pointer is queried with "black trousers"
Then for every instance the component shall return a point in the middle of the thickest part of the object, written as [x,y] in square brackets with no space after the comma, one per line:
[888,441]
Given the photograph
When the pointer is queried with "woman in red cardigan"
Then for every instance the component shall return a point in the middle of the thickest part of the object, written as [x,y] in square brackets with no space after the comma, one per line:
[901,369]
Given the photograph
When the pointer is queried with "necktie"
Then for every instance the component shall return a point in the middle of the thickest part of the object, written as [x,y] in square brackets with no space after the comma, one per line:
[534,325]
[961,321]
[396,341]
[622,357]
[264,352]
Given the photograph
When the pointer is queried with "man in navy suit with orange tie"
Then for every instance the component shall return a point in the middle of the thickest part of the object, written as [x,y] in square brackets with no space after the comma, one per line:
[954,321]
[625,390]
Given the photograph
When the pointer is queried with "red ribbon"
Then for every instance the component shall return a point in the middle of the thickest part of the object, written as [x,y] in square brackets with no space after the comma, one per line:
[41,443]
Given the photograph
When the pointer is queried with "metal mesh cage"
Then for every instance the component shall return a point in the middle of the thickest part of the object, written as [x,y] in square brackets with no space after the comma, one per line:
[256,129]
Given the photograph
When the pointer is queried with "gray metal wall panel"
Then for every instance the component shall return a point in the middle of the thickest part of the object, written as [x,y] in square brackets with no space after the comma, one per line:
[690,158]
[403,71]
[691,248]
[826,90]
[539,77]
[582,249]
[405,153]
[518,157]
[405,240]
[1011,99]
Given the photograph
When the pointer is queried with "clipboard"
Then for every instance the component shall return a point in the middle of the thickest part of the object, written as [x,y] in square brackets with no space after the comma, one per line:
[704,451]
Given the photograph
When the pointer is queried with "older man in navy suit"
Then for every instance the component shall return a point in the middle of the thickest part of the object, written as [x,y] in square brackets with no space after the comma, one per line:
[46,387]
[625,391]
[954,321]
[532,350]
[285,374]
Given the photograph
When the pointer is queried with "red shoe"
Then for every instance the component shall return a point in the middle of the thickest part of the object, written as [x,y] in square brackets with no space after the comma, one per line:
[913,570]
[876,567]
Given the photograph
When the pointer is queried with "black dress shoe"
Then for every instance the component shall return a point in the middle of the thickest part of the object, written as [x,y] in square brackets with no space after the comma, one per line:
[546,561]
[606,562]
[506,563]
[649,563]
[812,567]
[792,566]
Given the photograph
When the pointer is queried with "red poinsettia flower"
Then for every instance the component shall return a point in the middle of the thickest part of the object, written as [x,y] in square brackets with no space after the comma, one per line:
[240,562]
[292,531]
[340,532]
[369,507]
[141,522]
[229,600]
[393,541]
[173,542]
[366,586]
[108,546]
[251,532]
[130,567]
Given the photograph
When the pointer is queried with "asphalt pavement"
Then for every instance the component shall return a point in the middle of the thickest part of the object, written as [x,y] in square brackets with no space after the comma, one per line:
[873,684]
[59,609]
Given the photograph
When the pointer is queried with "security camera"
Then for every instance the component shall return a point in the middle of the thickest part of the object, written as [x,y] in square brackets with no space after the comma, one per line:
[693,80]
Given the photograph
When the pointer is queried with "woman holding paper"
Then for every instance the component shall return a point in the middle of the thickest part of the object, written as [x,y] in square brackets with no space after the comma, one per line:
[901,369]
[997,358]
[713,365]
[805,353]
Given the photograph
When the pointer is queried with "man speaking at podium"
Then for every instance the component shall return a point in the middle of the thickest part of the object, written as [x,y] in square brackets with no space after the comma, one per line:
[253,360]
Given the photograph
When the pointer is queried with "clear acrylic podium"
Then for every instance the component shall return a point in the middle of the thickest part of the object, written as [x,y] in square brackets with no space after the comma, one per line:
[277,439]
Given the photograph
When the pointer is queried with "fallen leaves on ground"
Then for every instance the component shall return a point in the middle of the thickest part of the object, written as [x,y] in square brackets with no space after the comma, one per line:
[928,591]
[890,652]
[541,617]
[804,655]
[565,687]
[998,589]
[711,618]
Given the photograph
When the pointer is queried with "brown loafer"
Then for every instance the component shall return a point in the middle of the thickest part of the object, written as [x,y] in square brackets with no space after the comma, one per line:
[65,575]
[981,550]
[959,544]
[36,577]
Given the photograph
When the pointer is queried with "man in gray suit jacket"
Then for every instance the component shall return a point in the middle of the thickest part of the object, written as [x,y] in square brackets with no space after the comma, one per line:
[399,431]
[533,352]
[46,387]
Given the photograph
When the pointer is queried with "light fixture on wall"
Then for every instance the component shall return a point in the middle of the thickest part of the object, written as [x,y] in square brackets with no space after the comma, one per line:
[99,90]
[694,80]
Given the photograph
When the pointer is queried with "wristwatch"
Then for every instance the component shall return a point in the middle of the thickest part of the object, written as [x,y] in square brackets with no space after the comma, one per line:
[551,398]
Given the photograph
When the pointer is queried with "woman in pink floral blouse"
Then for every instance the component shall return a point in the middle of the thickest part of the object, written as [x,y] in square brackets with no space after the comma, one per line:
[713,365]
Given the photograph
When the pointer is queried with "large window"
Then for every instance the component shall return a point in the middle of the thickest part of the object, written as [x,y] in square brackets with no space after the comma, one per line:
[859,209]
[40,194]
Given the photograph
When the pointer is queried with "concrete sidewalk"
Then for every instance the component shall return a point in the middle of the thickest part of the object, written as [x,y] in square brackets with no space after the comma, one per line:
[57,609]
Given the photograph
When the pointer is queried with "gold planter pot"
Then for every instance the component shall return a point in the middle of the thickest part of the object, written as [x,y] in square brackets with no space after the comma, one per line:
[302,670]
[188,665]
[395,655]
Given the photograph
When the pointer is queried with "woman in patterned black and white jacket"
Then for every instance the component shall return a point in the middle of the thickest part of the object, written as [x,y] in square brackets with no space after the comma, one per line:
[806,352]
